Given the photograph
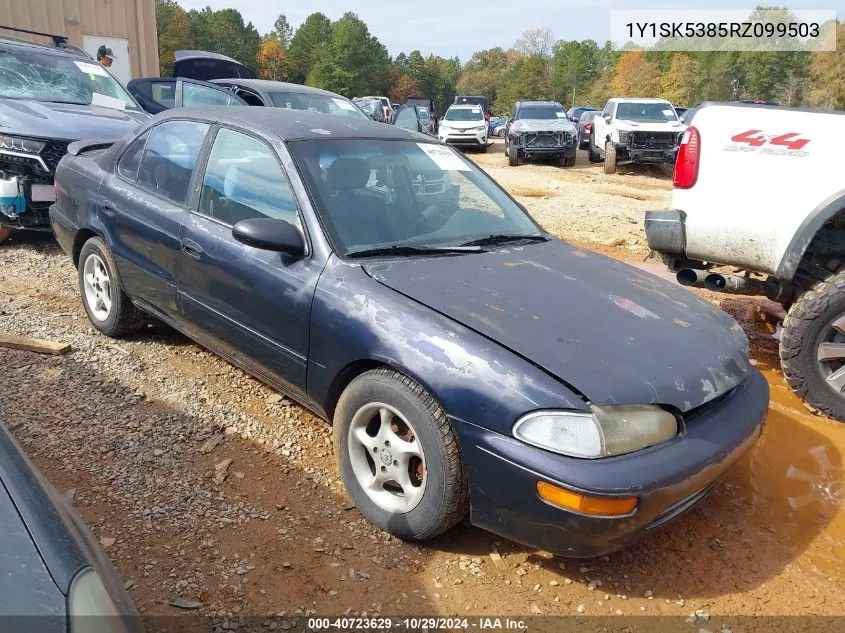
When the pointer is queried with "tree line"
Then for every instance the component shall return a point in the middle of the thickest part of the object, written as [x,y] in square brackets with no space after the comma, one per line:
[343,56]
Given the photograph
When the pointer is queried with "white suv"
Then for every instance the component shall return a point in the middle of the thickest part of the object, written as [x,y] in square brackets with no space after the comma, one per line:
[464,125]
[635,131]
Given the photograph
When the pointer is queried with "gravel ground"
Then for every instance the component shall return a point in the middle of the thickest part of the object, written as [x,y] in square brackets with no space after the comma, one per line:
[142,431]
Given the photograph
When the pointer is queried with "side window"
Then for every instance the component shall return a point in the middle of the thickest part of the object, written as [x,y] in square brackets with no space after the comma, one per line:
[243,180]
[194,95]
[127,166]
[250,97]
[164,92]
[170,157]
[407,119]
[607,109]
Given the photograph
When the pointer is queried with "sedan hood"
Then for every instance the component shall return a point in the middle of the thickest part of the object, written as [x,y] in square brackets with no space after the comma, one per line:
[66,121]
[615,333]
[650,126]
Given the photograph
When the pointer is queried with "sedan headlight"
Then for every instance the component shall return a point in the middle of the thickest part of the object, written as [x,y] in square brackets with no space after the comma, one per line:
[90,607]
[603,432]
[19,144]
[480,128]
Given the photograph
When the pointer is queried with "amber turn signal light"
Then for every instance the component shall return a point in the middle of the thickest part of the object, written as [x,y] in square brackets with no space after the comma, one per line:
[596,506]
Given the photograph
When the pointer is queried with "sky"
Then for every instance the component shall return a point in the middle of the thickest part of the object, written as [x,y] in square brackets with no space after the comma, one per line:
[449,28]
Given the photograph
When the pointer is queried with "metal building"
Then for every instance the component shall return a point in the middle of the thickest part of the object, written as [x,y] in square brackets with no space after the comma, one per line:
[128,27]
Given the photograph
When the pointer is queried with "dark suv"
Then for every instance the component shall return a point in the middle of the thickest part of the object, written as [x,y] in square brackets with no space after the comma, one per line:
[49,97]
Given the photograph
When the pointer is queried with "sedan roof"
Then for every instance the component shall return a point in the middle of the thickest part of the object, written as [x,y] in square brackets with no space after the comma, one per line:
[269,85]
[294,124]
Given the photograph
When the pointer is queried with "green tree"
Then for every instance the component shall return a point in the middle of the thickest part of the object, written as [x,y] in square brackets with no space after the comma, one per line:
[224,32]
[307,45]
[682,82]
[573,63]
[283,30]
[172,31]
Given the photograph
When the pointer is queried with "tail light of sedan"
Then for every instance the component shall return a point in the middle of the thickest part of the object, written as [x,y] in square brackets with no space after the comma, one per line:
[588,126]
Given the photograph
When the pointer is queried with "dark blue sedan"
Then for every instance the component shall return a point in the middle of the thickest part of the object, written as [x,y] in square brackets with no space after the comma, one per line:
[468,361]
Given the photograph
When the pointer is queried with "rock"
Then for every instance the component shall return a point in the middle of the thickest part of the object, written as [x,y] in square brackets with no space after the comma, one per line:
[536,610]
[220,471]
[240,475]
[567,581]
[581,608]
[648,594]
[593,584]
[184,603]
[276,398]
[536,587]
[554,583]
[70,495]
[584,570]
[128,584]
[158,452]
[107,541]
[619,241]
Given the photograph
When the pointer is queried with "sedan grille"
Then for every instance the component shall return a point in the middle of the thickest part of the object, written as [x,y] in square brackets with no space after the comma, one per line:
[654,140]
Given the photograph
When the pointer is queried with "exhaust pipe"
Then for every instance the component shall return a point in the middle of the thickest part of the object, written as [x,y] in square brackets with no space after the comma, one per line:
[736,285]
[691,277]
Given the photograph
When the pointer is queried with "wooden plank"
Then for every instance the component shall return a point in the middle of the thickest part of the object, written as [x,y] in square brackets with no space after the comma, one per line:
[33,344]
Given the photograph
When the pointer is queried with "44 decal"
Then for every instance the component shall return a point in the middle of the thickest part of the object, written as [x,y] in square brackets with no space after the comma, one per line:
[756,138]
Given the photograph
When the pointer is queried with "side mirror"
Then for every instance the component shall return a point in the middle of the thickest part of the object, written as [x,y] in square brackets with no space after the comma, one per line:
[606,117]
[270,234]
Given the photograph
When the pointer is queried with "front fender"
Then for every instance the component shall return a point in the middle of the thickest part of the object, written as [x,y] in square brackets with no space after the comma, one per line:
[355,318]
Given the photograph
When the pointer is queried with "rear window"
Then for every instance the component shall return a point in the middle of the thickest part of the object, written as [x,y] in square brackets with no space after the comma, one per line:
[316,103]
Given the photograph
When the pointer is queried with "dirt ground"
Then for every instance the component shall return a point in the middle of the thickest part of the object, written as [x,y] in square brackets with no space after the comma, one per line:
[125,426]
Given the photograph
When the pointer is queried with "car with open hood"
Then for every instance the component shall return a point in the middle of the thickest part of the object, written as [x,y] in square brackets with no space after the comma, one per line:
[50,96]
[470,363]
[540,129]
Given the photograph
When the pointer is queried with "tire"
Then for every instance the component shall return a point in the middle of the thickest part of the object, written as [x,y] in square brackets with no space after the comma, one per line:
[806,327]
[439,499]
[5,233]
[484,148]
[506,146]
[568,161]
[592,153]
[513,155]
[609,158]
[120,316]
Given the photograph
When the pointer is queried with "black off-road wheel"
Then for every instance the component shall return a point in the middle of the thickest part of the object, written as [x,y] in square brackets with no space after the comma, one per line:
[398,456]
[513,155]
[109,309]
[812,347]
[592,152]
[609,158]
[567,161]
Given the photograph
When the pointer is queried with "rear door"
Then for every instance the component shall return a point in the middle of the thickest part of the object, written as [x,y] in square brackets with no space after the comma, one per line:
[157,94]
[193,93]
[145,202]
[253,305]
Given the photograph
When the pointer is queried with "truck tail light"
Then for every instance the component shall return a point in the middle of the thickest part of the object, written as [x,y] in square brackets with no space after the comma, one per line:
[588,126]
[686,165]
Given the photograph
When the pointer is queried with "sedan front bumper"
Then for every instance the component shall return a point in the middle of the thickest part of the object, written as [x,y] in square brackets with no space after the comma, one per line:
[668,479]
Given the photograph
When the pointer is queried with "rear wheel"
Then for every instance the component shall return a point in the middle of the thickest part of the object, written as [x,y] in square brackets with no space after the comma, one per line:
[5,233]
[609,158]
[812,347]
[398,456]
[107,306]
[513,156]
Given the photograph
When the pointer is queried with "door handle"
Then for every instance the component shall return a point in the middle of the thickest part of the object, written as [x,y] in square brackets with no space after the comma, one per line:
[192,249]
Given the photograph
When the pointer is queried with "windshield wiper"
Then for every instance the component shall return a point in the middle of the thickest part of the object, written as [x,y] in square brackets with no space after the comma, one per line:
[503,238]
[404,249]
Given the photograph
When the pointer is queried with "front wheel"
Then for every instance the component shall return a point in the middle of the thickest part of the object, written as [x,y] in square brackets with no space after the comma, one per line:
[812,347]
[513,155]
[107,306]
[568,161]
[610,158]
[398,456]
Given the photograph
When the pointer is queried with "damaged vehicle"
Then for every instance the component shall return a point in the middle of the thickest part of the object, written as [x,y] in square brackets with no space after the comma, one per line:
[540,130]
[635,131]
[49,97]
[450,340]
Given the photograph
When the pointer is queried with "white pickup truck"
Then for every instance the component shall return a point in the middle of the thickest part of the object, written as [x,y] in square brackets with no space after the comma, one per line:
[760,188]
[635,131]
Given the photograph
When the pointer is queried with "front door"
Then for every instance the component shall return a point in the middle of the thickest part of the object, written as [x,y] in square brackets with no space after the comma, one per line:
[253,305]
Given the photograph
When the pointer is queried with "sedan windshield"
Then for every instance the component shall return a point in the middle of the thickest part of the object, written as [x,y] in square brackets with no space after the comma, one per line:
[316,103]
[464,114]
[410,197]
[646,112]
[43,76]
[541,113]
